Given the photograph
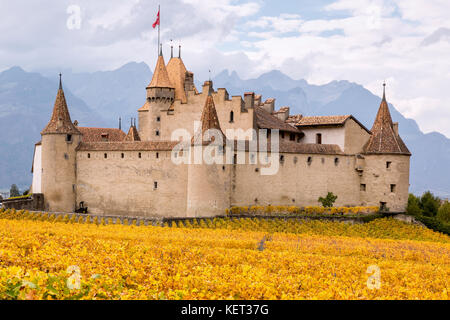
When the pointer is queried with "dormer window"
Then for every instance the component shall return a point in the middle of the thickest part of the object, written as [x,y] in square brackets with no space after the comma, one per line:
[105,137]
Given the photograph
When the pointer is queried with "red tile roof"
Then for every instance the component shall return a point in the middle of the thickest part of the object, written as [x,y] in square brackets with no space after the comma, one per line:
[132,135]
[384,140]
[160,76]
[60,121]
[209,121]
[99,134]
[266,120]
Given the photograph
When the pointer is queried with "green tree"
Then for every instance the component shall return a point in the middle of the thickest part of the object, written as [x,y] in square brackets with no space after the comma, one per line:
[413,207]
[14,191]
[329,200]
[429,204]
[443,214]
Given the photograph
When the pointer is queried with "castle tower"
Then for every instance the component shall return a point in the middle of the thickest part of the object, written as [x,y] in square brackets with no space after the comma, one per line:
[208,191]
[386,177]
[160,96]
[60,138]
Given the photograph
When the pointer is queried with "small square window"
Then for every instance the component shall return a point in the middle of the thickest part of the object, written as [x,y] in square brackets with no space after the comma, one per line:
[158,119]
[393,187]
[388,164]
[362,187]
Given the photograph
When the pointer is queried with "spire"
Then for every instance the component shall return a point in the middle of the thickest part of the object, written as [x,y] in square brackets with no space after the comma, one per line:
[384,138]
[179,51]
[60,121]
[160,50]
[171,52]
[177,77]
[209,120]
[160,77]
[133,134]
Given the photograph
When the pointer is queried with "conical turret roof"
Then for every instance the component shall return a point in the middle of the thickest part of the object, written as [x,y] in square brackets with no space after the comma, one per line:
[384,139]
[177,76]
[133,134]
[209,121]
[160,76]
[60,121]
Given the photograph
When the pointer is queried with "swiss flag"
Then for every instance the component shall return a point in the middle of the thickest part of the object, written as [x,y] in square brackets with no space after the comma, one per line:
[156,22]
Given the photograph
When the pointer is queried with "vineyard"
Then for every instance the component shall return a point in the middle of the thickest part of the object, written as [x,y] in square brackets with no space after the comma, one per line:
[44,256]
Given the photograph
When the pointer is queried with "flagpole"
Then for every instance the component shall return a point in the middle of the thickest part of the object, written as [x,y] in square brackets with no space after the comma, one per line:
[159,28]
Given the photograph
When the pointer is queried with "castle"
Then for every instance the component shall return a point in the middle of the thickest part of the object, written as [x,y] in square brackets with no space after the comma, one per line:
[153,171]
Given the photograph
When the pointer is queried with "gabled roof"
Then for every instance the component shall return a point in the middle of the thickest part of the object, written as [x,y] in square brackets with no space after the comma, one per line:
[318,121]
[210,121]
[265,120]
[177,75]
[98,134]
[60,121]
[132,135]
[160,76]
[384,140]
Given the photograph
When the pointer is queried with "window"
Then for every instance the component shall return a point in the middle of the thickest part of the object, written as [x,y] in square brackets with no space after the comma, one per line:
[157,133]
[157,155]
[122,155]
[158,119]
[66,156]
[69,138]
[252,158]
[336,161]
[383,206]
[388,164]
[105,156]
[319,138]
[282,135]
[393,187]
[140,155]
[295,160]
[362,187]
[89,155]
[292,137]
[231,116]
[309,161]
[235,159]
[281,159]
[105,137]
[155,185]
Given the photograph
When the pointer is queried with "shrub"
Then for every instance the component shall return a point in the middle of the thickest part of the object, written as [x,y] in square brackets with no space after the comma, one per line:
[429,204]
[443,214]
[329,200]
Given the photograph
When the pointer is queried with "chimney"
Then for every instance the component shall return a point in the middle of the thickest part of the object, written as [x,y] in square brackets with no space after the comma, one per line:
[269,105]
[395,127]
[283,113]
[249,100]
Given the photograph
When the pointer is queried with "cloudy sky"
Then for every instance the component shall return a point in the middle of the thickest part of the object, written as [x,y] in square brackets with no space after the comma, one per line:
[405,42]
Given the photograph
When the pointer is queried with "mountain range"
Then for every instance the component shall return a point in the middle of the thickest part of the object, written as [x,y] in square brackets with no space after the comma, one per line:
[100,98]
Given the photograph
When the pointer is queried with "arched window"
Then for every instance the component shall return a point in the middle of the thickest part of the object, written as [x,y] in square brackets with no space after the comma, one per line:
[231,116]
